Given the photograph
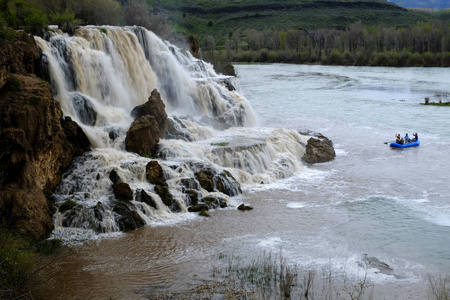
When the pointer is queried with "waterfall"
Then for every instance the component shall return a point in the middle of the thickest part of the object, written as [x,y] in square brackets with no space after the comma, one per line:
[99,75]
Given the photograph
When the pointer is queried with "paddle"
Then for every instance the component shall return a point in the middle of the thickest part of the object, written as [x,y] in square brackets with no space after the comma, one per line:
[387,142]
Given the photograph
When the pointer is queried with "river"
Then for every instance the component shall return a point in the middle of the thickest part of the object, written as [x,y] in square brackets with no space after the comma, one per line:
[390,205]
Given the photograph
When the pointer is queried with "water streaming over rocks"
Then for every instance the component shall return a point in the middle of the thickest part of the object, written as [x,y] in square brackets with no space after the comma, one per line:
[210,148]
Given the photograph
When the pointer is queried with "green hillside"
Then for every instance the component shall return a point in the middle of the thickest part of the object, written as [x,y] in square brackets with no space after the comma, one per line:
[219,18]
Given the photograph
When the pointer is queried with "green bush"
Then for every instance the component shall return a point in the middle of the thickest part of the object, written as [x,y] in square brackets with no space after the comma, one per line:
[416,59]
[21,14]
[16,266]
[334,58]
[66,20]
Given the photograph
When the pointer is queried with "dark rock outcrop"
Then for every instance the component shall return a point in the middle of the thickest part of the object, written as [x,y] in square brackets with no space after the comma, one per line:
[35,146]
[193,46]
[215,202]
[319,150]
[19,57]
[223,182]
[198,207]
[244,207]
[122,191]
[128,218]
[155,175]
[142,196]
[84,108]
[114,177]
[75,136]
[149,126]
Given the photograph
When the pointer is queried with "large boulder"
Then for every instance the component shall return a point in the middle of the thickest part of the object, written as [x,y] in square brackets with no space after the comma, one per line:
[319,150]
[122,191]
[149,126]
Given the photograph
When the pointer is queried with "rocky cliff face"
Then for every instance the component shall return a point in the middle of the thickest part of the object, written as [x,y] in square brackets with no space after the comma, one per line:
[34,144]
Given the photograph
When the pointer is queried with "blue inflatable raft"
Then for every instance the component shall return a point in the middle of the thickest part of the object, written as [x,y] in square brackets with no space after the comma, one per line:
[407,145]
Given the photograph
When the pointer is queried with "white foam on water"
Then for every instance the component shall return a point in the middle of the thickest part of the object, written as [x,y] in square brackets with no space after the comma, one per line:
[296,205]
[435,214]
[271,243]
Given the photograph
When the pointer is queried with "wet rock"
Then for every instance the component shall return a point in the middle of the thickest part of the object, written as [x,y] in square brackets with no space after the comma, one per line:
[154,173]
[223,182]
[99,210]
[128,218]
[319,150]
[189,183]
[76,136]
[142,196]
[175,130]
[84,109]
[67,205]
[114,177]
[198,207]
[113,134]
[192,196]
[122,191]
[149,126]
[215,202]
[163,191]
[142,137]
[244,207]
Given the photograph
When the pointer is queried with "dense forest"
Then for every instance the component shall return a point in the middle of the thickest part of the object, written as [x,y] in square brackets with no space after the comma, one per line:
[421,44]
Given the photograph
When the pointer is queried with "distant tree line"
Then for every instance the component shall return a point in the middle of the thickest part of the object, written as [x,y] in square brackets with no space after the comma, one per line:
[422,44]
[34,16]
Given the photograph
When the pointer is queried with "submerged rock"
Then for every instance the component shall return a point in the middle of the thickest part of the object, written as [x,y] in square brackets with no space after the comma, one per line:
[319,150]
[244,207]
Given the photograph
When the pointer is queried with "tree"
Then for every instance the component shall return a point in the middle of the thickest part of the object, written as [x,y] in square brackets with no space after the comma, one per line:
[137,13]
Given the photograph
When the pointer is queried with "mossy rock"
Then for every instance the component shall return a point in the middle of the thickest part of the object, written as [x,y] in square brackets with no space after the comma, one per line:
[67,205]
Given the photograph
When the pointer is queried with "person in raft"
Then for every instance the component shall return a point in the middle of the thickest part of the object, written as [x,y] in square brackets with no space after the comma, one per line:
[399,140]
[407,139]
[416,137]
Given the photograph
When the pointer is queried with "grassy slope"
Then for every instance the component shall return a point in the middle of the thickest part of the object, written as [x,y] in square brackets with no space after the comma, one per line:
[193,16]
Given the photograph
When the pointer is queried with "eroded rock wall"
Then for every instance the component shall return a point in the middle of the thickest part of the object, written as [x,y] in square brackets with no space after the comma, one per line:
[34,148]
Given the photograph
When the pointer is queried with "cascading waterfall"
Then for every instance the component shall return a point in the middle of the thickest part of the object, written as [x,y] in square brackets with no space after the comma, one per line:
[99,75]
